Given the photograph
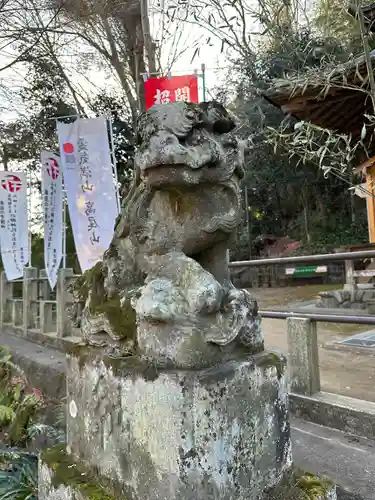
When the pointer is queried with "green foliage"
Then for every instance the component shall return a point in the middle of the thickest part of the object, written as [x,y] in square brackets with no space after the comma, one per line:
[325,239]
[19,404]
[7,414]
[7,367]
[18,475]
[288,197]
[35,430]
[120,314]
[332,19]
[20,408]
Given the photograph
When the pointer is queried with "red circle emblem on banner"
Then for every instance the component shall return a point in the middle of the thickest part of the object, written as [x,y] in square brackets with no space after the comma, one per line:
[68,148]
[52,168]
[11,183]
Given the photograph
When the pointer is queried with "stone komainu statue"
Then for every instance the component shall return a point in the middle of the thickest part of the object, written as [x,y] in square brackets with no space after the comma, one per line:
[163,290]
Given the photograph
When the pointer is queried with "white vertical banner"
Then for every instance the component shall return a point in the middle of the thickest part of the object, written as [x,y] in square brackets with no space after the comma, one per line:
[90,186]
[52,193]
[14,236]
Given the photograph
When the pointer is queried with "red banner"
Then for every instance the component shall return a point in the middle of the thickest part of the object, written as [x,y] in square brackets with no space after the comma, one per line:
[176,88]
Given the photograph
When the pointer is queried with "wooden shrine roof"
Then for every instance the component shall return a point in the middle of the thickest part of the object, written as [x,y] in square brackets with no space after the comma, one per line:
[337,99]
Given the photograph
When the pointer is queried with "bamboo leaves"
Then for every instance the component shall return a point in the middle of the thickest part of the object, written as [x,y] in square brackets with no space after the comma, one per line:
[310,143]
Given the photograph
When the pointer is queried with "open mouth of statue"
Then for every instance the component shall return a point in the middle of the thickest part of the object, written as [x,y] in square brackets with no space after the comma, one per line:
[172,174]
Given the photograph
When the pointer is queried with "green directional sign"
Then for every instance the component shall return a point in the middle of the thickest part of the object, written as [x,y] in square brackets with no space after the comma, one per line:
[305,271]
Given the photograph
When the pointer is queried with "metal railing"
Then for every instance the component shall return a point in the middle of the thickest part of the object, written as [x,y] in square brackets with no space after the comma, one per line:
[304,379]
[302,342]
[328,257]
[326,318]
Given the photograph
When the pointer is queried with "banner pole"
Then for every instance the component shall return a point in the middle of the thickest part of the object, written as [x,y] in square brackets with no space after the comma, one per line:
[29,215]
[64,199]
[203,68]
[64,230]
[114,163]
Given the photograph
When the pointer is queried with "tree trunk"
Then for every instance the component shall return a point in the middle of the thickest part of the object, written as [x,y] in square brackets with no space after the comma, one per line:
[306,217]
[352,201]
[119,68]
[68,83]
[148,42]
[57,61]
[136,58]
[5,158]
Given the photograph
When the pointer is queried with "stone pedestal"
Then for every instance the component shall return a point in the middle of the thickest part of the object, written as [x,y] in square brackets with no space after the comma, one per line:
[295,487]
[220,433]
[46,488]
[59,478]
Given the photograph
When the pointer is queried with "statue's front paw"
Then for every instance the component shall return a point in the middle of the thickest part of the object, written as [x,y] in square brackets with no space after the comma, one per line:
[245,309]
[240,302]
[161,301]
[238,317]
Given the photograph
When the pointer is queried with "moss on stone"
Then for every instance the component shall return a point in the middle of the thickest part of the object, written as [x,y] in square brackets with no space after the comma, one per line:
[269,358]
[81,351]
[121,316]
[132,364]
[119,366]
[66,472]
[298,485]
[90,280]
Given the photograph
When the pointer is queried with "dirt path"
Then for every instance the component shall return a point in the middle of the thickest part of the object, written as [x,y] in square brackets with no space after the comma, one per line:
[348,372]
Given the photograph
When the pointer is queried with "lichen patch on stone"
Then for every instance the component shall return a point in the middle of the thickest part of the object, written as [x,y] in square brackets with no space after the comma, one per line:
[298,485]
[73,476]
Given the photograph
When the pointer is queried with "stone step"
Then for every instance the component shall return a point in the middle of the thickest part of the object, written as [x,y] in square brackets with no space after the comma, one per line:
[348,460]
[342,413]
[44,367]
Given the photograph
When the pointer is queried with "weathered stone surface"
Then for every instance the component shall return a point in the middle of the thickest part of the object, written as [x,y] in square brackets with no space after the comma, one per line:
[351,416]
[296,486]
[220,433]
[46,491]
[300,485]
[61,478]
[303,356]
[332,494]
[312,487]
[164,283]
[343,299]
